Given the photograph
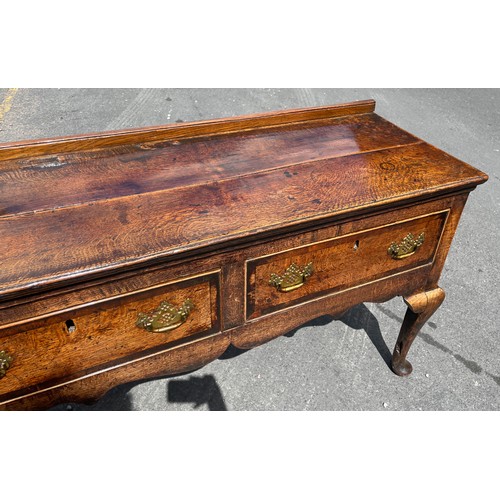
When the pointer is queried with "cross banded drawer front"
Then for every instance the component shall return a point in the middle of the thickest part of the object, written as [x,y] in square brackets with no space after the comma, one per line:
[121,328]
[340,263]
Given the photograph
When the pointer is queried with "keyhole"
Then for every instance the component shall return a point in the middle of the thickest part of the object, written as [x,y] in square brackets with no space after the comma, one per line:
[70,325]
[356,245]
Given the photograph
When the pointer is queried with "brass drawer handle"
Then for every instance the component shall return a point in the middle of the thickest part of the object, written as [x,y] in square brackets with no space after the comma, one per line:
[408,246]
[165,317]
[5,361]
[294,277]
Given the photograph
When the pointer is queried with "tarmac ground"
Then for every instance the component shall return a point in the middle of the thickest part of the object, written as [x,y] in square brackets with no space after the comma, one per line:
[326,364]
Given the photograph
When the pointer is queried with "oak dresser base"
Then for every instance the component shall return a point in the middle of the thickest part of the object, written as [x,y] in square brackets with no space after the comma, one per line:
[177,242]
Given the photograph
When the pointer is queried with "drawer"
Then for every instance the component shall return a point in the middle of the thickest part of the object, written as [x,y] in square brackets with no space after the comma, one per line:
[293,276]
[121,328]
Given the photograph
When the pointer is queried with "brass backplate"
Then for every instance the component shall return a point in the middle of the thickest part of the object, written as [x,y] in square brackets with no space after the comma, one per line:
[408,246]
[293,277]
[165,317]
[5,361]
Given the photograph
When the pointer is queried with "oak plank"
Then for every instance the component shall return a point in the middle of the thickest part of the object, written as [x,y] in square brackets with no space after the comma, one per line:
[84,177]
[85,142]
[77,241]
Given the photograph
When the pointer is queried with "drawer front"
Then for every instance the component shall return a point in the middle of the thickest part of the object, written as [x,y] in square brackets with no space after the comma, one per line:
[287,278]
[97,336]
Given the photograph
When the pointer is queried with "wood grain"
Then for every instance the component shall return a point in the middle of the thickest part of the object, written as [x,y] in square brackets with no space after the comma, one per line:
[204,128]
[84,177]
[105,333]
[18,311]
[96,228]
[46,247]
[89,388]
[268,327]
[343,262]
[421,307]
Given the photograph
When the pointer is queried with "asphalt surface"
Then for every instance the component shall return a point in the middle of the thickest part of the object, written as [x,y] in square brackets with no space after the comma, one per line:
[326,364]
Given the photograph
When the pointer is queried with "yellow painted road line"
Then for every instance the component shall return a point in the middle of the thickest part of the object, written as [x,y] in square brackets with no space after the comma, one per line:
[7,103]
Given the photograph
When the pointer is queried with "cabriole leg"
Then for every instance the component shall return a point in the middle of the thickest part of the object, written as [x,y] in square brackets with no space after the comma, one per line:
[421,307]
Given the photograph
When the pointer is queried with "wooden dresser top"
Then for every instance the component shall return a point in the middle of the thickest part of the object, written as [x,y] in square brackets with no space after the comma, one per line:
[75,206]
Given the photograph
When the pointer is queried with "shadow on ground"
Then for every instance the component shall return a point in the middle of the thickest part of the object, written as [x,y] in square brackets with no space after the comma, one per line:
[201,390]
[357,318]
